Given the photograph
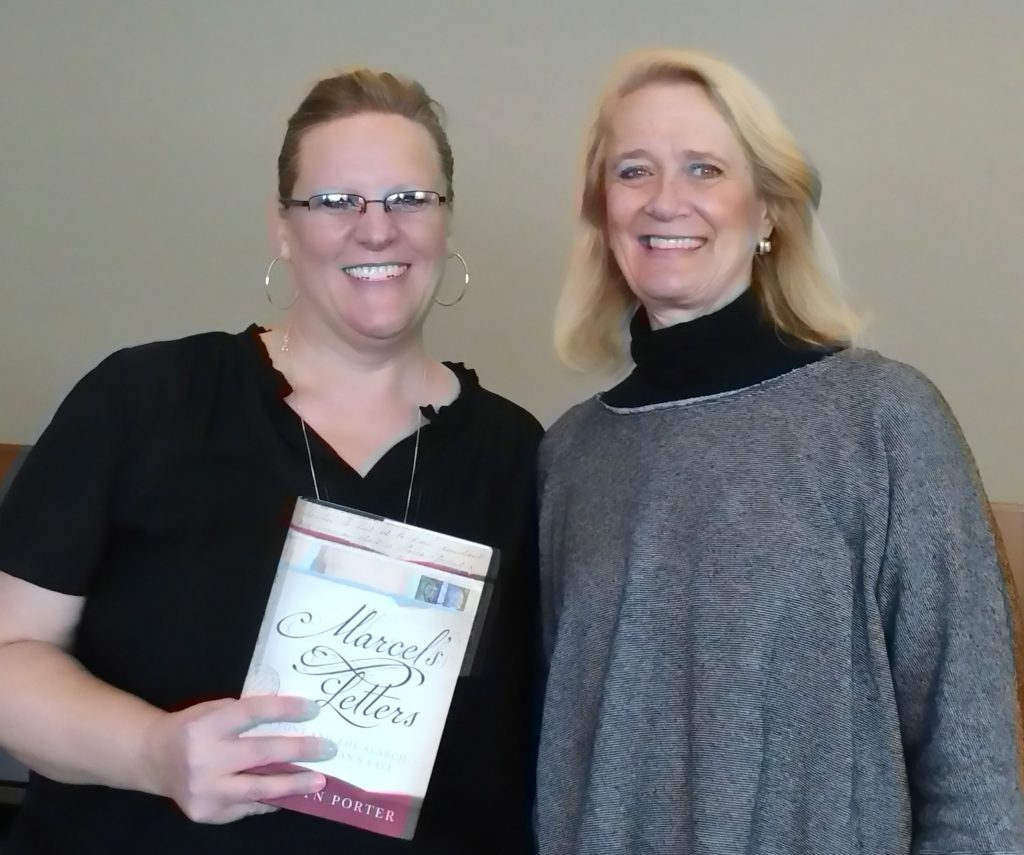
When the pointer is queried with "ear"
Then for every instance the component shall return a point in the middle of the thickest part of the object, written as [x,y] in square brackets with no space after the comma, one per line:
[765,226]
[449,226]
[277,231]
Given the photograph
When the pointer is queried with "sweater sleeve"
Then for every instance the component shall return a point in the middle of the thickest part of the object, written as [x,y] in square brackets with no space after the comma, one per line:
[949,634]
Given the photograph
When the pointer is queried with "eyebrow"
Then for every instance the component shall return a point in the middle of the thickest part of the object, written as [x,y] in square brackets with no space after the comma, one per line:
[689,154]
[405,187]
[632,154]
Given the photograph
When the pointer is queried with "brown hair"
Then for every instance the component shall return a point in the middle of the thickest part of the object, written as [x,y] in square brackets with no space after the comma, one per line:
[355,91]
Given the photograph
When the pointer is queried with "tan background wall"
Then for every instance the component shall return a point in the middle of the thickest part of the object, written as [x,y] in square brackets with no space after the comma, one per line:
[138,138]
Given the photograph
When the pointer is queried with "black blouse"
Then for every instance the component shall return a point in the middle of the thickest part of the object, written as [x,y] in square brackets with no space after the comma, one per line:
[162,490]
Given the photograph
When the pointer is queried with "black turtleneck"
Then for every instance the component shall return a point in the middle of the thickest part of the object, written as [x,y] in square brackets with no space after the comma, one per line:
[735,347]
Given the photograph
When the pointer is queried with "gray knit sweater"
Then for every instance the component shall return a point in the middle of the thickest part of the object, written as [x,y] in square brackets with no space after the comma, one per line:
[775,623]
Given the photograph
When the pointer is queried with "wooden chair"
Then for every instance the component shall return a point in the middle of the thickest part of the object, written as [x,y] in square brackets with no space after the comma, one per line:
[1009,518]
[8,454]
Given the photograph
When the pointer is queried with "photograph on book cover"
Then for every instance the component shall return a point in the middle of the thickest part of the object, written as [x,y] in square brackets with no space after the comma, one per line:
[373,620]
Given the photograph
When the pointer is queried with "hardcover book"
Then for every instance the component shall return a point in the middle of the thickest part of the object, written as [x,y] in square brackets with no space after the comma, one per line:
[374,621]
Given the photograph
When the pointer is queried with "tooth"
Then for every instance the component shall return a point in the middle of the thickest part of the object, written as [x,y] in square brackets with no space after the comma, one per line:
[675,243]
[375,273]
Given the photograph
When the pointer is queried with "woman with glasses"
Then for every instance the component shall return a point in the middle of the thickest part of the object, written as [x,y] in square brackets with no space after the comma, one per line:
[140,539]
[773,609]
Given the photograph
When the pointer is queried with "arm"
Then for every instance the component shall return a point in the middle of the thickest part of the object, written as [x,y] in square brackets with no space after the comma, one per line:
[548,598]
[64,723]
[54,715]
[949,637]
[41,680]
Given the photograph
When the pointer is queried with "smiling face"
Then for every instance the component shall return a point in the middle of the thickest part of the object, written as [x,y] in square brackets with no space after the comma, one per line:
[368,276]
[683,215]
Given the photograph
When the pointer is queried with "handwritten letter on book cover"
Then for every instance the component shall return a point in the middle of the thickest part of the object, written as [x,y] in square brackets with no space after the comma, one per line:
[372,619]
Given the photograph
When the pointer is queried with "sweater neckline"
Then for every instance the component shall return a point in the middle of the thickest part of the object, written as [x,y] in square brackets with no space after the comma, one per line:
[731,349]
[811,369]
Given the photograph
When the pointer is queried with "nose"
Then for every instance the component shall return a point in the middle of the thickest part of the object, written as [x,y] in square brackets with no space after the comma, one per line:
[376,228]
[671,199]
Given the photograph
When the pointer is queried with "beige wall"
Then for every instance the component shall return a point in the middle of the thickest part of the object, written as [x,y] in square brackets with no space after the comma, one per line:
[138,140]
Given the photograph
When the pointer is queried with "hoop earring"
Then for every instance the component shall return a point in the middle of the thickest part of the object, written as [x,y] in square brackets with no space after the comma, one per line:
[465,283]
[266,286]
[764,246]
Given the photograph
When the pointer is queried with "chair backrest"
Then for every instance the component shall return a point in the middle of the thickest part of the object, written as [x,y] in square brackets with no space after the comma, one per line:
[1010,521]
[10,456]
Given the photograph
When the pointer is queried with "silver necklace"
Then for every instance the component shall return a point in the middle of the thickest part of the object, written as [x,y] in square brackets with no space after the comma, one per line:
[415,447]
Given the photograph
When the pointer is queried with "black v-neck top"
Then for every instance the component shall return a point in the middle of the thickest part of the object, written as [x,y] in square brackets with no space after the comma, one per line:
[730,349]
[161,492]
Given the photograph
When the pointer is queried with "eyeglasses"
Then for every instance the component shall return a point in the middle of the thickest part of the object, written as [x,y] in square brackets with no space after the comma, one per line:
[341,204]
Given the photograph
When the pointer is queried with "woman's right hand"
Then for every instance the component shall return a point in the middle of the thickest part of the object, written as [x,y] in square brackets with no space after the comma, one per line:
[198,758]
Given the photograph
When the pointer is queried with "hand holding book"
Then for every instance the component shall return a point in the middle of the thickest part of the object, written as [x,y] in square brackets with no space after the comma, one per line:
[196,757]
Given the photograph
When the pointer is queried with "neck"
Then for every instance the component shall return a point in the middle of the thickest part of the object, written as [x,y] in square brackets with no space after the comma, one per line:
[661,317]
[329,368]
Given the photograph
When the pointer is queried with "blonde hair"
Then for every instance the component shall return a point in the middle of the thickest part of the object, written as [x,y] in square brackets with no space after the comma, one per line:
[796,282]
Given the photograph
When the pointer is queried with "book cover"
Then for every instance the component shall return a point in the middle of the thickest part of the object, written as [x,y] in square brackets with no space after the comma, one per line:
[373,620]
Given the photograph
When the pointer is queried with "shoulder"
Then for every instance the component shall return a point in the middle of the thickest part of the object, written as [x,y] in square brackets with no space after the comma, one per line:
[129,367]
[890,381]
[910,417]
[170,353]
[900,395]
[566,430]
[861,386]
[490,412]
[138,381]
[570,422]
[503,411]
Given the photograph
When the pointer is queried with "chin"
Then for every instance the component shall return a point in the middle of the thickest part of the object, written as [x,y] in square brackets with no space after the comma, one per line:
[660,289]
[386,329]
[383,318]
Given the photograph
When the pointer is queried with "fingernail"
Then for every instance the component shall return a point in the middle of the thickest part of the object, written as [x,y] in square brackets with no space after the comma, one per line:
[319,783]
[312,710]
[327,749]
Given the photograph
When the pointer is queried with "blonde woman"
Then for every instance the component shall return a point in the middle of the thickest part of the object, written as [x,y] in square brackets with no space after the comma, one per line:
[774,616]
